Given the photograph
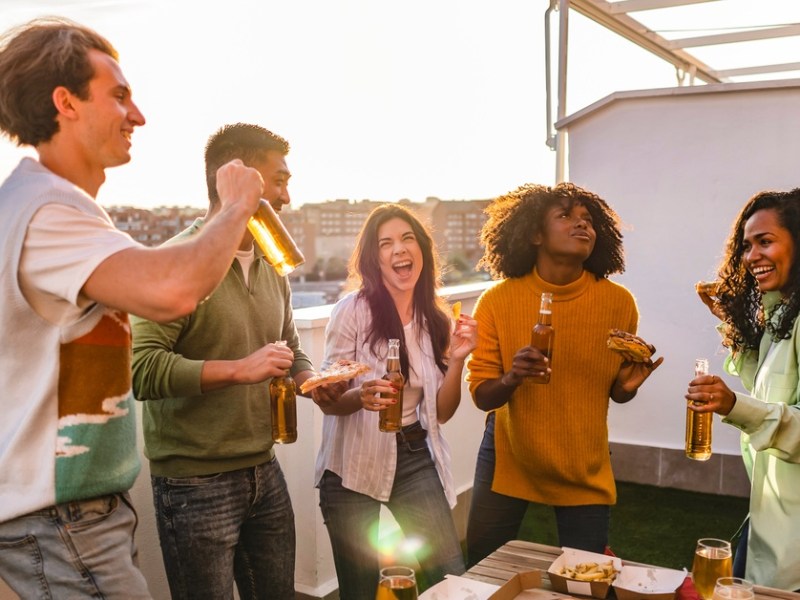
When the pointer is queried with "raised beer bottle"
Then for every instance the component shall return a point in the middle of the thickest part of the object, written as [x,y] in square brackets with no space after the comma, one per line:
[283,407]
[698,425]
[391,418]
[274,240]
[543,334]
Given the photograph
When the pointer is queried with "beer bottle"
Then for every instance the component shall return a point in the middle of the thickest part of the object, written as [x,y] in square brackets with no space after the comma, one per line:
[543,334]
[283,407]
[698,425]
[391,418]
[271,235]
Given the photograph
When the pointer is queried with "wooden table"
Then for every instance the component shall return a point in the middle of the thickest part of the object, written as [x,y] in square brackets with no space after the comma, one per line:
[517,556]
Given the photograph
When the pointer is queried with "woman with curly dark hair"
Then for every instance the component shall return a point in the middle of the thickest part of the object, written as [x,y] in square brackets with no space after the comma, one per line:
[758,301]
[549,443]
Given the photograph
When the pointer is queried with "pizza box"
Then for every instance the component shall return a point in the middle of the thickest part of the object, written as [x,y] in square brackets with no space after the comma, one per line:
[647,583]
[569,558]
[518,584]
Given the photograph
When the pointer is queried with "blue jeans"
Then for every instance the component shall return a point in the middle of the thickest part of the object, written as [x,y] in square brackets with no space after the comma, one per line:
[740,556]
[494,519]
[417,503]
[215,529]
[80,549]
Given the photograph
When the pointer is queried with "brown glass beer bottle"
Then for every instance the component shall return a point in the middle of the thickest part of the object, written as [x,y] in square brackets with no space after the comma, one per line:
[391,418]
[283,407]
[274,240]
[543,334]
[698,425]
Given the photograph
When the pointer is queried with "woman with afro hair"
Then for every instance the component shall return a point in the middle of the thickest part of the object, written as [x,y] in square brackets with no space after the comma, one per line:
[758,301]
[548,443]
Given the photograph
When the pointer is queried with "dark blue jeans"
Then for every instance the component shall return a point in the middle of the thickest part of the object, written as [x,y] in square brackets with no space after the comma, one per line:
[215,529]
[417,503]
[740,556]
[494,519]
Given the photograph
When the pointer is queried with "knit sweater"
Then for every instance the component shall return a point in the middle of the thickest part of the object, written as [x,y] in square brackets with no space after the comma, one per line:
[68,426]
[188,432]
[551,440]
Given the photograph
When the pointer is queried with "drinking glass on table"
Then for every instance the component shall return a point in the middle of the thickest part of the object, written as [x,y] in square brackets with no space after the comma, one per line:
[733,588]
[712,560]
[397,583]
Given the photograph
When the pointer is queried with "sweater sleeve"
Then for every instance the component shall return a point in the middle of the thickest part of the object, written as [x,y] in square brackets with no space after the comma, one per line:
[485,362]
[158,371]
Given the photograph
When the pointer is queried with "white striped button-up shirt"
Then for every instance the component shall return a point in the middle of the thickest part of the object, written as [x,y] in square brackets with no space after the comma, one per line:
[352,446]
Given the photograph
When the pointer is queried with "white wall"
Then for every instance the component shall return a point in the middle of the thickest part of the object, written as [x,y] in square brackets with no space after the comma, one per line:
[678,165]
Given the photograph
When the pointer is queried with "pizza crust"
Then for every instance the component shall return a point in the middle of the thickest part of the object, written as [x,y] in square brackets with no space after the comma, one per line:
[341,370]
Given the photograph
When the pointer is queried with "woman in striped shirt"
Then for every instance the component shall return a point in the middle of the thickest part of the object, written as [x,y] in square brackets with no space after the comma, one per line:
[360,468]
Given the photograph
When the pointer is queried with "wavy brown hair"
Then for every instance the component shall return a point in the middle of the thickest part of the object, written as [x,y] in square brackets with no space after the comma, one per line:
[738,295]
[35,59]
[364,274]
[514,219]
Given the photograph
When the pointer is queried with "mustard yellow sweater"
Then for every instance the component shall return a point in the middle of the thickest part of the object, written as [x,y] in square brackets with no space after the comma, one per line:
[551,440]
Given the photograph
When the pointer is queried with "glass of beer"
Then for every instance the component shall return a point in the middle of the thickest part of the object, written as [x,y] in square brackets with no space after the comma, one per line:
[397,583]
[274,240]
[733,588]
[712,559]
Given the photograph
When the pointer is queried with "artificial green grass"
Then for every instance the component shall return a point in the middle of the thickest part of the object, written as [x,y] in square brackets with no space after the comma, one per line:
[653,525]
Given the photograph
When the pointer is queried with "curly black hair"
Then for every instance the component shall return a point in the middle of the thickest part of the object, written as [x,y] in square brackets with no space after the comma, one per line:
[514,218]
[738,294]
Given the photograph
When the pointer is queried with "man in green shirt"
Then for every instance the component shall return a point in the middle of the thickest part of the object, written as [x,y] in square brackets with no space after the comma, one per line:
[222,506]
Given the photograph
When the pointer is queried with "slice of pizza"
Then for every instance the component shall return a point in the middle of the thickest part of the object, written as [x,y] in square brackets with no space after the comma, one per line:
[341,370]
[632,347]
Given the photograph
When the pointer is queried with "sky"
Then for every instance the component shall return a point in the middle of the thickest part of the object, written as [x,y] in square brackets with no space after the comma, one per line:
[379,100]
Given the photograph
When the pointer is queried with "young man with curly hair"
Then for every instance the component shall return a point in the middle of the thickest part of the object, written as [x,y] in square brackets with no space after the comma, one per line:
[548,443]
[69,279]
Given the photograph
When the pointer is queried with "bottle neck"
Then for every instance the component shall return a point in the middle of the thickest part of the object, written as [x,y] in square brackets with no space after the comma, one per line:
[545,317]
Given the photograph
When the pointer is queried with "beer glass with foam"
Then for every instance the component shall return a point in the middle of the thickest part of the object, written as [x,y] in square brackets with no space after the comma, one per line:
[397,583]
[733,588]
[712,559]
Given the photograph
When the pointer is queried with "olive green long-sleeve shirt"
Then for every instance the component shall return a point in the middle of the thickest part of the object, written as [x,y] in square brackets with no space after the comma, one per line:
[187,432]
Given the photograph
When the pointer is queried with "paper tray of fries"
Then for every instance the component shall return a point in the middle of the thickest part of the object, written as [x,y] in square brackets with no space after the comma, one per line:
[584,573]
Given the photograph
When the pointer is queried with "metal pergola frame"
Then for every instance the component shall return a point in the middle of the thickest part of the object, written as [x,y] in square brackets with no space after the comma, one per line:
[615,17]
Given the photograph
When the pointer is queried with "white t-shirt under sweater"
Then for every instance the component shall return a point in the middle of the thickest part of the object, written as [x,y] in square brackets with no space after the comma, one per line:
[68,430]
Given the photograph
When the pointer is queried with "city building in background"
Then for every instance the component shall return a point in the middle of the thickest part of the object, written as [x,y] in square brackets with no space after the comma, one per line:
[325,232]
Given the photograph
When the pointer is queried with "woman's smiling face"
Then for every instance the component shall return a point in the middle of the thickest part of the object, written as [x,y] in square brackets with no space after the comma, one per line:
[400,256]
[768,250]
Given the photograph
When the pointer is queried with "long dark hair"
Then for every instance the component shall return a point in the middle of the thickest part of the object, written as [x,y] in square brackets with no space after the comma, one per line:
[364,274]
[738,295]
[514,218]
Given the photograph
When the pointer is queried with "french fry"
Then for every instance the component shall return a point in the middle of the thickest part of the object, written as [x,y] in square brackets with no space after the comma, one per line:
[591,571]
[456,309]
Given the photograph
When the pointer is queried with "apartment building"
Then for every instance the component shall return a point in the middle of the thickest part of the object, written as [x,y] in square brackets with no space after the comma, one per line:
[326,231]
